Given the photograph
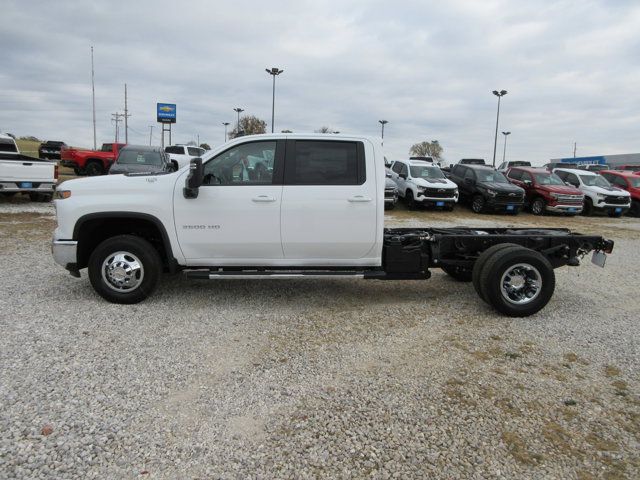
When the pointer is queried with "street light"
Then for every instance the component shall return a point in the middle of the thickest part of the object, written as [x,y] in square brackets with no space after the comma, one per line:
[226,124]
[273,72]
[504,152]
[498,94]
[238,110]
[383,123]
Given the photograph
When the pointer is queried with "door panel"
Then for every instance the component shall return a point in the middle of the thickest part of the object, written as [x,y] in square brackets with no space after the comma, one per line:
[321,221]
[236,216]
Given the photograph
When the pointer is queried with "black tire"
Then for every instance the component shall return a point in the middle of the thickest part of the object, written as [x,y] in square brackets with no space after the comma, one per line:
[114,288]
[538,206]
[526,266]
[94,168]
[389,206]
[8,194]
[634,211]
[408,198]
[460,274]
[588,206]
[477,204]
[482,260]
[77,171]
[40,197]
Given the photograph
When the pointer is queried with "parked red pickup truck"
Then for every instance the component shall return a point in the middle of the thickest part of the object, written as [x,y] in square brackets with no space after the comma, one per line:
[90,162]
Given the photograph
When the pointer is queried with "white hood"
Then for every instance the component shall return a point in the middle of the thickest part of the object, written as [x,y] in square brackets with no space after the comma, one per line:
[435,183]
[614,191]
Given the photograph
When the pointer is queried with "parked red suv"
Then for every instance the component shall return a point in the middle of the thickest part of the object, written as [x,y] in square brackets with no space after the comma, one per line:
[627,181]
[545,191]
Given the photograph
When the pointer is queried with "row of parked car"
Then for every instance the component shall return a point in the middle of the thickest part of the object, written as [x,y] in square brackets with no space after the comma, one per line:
[567,191]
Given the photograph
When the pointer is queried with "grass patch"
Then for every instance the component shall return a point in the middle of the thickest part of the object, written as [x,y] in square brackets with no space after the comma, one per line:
[611,371]
[518,449]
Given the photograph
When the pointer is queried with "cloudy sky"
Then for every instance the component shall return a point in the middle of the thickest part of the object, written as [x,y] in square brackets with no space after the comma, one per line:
[572,70]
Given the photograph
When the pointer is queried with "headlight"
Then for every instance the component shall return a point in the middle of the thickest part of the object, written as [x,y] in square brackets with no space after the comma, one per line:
[554,195]
[62,194]
[600,196]
[422,189]
[455,191]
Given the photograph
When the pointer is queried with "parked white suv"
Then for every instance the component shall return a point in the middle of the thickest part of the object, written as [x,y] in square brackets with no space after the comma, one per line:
[420,182]
[184,153]
[599,194]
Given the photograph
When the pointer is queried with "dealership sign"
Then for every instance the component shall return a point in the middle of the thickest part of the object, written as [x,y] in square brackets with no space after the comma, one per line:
[166,112]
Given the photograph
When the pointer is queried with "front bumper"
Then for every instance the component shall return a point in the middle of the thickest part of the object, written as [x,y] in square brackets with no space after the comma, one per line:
[436,201]
[607,207]
[560,208]
[65,253]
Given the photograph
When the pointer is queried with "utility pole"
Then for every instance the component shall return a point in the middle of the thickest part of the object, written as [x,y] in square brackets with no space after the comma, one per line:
[504,152]
[150,134]
[93,100]
[117,118]
[126,115]
[198,139]
[574,149]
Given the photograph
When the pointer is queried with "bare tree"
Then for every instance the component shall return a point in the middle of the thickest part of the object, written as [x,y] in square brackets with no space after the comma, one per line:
[249,125]
[324,129]
[427,149]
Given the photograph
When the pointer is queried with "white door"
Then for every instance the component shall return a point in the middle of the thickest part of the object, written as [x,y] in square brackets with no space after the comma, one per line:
[329,202]
[236,216]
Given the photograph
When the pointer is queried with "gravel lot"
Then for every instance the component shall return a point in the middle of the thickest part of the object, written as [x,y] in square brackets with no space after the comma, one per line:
[312,378]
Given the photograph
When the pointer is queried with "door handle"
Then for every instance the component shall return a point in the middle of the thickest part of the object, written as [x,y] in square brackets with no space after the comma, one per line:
[263,199]
[359,199]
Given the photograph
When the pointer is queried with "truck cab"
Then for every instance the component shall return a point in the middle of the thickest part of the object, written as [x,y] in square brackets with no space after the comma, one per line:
[315,210]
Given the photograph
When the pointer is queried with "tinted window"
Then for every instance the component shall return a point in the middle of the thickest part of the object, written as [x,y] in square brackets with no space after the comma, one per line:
[246,164]
[324,163]
[175,150]
[515,174]
[426,171]
[194,152]
[7,146]
[562,175]
[572,179]
[619,181]
[135,157]
[107,147]
[397,166]
[491,176]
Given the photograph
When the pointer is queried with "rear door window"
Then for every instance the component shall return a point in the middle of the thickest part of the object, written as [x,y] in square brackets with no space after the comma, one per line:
[397,166]
[317,162]
[194,152]
[515,174]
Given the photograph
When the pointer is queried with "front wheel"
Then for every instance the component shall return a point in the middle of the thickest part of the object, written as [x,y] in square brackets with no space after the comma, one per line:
[634,211]
[94,168]
[124,269]
[588,207]
[389,206]
[477,204]
[408,197]
[517,282]
[538,206]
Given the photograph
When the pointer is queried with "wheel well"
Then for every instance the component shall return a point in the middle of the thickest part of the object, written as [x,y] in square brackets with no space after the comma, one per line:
[91,232]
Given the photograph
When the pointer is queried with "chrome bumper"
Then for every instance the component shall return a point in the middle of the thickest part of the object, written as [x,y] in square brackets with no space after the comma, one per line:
[64,252]
[565,208]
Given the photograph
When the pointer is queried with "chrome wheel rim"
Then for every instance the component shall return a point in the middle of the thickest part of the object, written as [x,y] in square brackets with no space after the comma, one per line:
[537,206]
[122,271]
[521,284]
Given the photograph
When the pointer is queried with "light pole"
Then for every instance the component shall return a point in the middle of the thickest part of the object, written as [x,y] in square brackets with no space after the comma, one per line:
[383,123]
[273,72]
[226,124]
[238,110]
[504,152]
[498,94]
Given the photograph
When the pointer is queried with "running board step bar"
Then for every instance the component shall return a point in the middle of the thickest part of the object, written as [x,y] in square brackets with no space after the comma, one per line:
[274,274]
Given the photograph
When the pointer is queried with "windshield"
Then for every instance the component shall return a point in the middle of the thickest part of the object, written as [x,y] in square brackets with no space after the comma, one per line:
[426,172]
[635,182]
[548,179]
[491,176]
[594,181]
[134,157]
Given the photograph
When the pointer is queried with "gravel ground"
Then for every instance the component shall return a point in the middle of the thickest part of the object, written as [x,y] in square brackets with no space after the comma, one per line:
[312,378]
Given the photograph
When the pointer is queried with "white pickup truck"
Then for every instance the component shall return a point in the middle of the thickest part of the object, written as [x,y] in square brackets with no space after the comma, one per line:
[22,174]
[319,212]
[183,153]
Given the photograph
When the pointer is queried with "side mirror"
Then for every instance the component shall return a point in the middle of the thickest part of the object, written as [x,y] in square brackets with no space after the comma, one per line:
[194,179]
[403,175]
[527,182]
[174,165]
